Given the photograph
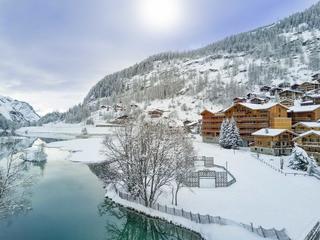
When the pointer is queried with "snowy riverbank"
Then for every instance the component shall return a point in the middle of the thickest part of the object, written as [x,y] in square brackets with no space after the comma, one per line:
[208,231]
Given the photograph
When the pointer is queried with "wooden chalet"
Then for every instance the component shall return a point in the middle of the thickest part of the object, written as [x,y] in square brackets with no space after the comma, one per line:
[156,113]
[309,113]
[211,123]
[192,127]
[265,89]
[249,118]
[239,99]
[259,100]
[275,90]
[118,108]
[316,77]
[302,127]
[275,142]
[310,142]
[306,103]
[313,98]
[284,85]
[308,86]
[287,102]
[124,119]
[290,94]
[295,86]
[251,95]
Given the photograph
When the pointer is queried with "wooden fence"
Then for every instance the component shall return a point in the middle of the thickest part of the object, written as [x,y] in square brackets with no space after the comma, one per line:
[286,173]
[314,234]
[207,219]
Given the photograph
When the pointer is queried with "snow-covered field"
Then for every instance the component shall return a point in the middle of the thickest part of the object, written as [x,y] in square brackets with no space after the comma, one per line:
[261,195]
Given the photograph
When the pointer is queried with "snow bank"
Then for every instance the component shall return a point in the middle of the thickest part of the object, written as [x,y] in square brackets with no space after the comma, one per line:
[208,231]
[82,150]
[35,153]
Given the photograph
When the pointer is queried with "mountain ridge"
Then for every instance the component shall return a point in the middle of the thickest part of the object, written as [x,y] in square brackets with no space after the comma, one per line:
[17,112]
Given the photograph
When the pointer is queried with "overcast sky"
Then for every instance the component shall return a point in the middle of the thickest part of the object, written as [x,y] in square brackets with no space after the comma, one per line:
[53,51]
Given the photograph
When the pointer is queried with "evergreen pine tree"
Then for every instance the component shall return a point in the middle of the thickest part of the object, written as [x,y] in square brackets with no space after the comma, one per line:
[299,159]
[229,134]
[223,133]
[235,139]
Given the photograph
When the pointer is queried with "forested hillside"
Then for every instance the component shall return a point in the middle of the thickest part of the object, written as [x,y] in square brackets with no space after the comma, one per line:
[286,51]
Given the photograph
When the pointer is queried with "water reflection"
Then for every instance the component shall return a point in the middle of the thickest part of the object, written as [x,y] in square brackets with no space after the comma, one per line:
[9,144]
[16,177]
[133,226]
[63,205]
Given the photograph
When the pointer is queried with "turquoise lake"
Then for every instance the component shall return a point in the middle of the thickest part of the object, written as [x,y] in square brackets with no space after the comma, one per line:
[67,203]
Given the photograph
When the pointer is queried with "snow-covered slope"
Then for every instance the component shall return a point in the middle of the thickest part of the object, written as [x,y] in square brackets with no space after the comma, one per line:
[17,111]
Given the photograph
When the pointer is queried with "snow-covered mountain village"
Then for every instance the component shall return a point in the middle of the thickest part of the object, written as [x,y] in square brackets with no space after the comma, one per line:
[220,142]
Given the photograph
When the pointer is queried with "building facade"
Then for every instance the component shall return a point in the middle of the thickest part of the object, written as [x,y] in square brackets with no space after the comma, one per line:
[308,113]
[302,127]
[211,123]
[275,142]
[308,86]
[290,94]
[310,142]
[249,118]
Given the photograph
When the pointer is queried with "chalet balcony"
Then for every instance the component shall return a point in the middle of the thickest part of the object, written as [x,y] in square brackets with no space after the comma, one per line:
[282,145]
[311,143]
[253,125]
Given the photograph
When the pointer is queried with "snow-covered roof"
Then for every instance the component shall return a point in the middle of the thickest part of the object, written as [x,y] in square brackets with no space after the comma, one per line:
[270,132]
[305,108]
[207,110]
[306,102]
[313,95]
[308,124]
[213,111]
[291,90]
[310,83]
[260,98]
[308,133]
[258,106]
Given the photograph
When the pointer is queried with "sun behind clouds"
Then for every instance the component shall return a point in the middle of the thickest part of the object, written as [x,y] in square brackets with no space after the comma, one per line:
[160,16]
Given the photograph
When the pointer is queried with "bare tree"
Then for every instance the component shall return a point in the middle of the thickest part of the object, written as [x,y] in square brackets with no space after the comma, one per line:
[183,169]
[147,157]
[12,199]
